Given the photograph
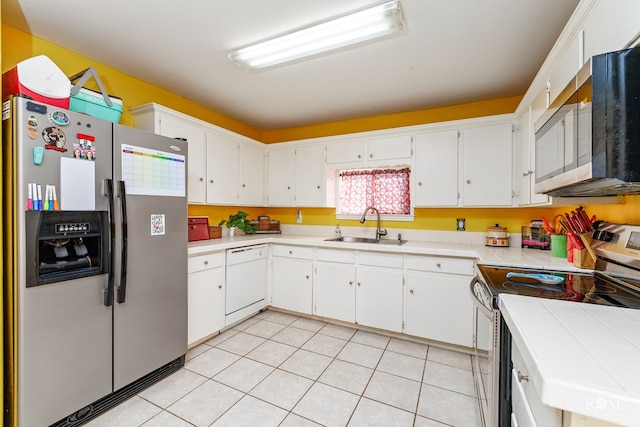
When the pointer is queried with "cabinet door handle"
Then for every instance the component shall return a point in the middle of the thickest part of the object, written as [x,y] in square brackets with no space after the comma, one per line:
[211,181]
[468,181]
[522,377]
[290,252]
[318,187]
[307,276]
[201,179]
[420,183]
[411,291]
[206,263]
[438,265]
[219,286]
[371,156]
[350,282]
[359,284]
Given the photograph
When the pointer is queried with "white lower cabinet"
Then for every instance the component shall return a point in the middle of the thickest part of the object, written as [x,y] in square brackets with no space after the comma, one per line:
[366,290]
[335,295]
[527,410]
[205,296]
[292,278]
[379,280]
[438,303]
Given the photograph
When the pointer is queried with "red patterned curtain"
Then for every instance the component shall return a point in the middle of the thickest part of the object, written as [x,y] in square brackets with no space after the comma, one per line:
[386,189]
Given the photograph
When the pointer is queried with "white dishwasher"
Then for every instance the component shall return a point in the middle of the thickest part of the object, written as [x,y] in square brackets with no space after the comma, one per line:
[246,279]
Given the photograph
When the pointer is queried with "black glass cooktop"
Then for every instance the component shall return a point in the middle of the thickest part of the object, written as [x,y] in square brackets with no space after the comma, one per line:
[595,288]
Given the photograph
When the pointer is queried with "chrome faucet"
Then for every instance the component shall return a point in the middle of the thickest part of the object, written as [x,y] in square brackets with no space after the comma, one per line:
[379,232]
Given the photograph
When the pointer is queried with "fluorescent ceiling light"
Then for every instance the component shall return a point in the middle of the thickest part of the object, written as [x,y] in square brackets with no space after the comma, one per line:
[357,27]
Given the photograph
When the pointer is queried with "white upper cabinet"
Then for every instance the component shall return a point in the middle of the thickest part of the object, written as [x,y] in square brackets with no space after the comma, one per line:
[390,147]
[235,171]
[296,176]
[435,174]
[156,119]
[251,175]
[610,26]
[281,176]
[345,151]
[376,151]
[222,166]
[310,176]
[564,69]
[524,164]
[486,165]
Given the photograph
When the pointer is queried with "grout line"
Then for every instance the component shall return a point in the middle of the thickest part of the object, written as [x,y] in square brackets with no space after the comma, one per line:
[360,396]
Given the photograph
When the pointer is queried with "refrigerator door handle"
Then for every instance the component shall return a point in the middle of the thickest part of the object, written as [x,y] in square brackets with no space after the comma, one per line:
[108,293]
[122,288]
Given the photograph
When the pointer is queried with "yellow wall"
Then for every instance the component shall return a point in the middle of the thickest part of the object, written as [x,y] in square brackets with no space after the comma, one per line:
[435,219]
[18,45]
[410,118]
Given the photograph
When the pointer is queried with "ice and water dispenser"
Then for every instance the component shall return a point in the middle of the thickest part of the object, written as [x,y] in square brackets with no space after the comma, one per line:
[65,245]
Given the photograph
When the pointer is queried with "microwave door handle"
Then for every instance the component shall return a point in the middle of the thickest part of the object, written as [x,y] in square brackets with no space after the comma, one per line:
[108,293]
[122,288]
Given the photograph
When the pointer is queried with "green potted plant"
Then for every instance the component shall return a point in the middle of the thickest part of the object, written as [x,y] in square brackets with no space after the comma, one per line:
[239,220]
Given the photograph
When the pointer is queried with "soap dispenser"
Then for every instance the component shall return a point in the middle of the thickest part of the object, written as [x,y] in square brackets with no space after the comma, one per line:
[338,232]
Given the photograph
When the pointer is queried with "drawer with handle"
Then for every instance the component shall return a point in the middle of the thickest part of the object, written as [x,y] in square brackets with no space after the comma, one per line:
[300,252]
[205,262]
[451,265]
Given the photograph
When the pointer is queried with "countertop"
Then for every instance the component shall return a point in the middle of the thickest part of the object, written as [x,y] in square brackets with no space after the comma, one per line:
[512,256]
[582,358]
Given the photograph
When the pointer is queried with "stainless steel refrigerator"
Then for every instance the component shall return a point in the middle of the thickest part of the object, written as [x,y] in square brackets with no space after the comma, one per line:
[95,268]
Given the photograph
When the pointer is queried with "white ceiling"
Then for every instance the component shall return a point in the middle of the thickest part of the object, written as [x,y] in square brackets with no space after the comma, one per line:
[453,52]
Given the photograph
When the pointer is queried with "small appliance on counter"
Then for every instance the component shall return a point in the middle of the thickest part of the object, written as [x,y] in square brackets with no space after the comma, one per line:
[535,236]
[497,237]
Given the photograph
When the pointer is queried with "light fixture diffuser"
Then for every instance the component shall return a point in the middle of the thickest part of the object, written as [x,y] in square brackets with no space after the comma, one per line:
[357,27]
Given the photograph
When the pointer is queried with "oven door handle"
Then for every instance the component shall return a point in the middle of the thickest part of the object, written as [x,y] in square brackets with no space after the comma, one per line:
[476,301]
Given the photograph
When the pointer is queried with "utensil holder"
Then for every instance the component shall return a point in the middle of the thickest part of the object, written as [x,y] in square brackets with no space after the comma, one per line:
[559,245]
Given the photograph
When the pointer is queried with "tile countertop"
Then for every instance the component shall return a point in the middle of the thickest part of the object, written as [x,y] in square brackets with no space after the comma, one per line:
[582,358]
[513,256]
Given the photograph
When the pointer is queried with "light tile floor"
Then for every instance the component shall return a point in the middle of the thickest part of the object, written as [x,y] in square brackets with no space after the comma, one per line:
[276,369]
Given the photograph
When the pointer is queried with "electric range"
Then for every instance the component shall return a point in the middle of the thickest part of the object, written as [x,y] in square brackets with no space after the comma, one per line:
[592,288]
[614,282]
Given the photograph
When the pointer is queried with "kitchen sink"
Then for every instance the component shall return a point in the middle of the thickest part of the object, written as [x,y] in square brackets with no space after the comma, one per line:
[348,239]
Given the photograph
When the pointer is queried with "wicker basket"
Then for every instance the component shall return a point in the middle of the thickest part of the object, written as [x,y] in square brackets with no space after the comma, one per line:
[215,232]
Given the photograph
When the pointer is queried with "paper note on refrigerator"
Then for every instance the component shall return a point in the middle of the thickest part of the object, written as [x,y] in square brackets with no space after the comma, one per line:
[153,173]
[77,185]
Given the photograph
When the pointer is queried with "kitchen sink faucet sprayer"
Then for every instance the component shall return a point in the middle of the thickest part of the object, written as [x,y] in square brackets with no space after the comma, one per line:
[379,232]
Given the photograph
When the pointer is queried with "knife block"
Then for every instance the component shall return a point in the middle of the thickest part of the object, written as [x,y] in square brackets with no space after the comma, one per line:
[582,259]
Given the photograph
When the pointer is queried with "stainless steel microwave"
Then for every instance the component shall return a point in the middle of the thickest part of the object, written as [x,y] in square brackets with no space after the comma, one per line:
[587,143]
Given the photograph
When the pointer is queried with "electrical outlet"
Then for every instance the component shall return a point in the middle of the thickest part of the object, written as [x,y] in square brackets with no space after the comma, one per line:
[460,224]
